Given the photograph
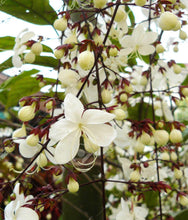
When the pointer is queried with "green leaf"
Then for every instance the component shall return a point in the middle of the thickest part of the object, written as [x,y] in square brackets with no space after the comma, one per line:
[34,11]
[6,64]
[183,215]
[151,199]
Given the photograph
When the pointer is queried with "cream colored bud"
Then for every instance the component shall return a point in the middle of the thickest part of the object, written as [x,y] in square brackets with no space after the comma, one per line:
[178,173]
[68,78]
[128,88]
[161,137]
[42,160]
[73,185]
[183,200]
[140,2]
[168,21]
[175,49]
[135,176]
[159,48]
[183,35]
[29,57]
[120,114]
[20,132]
[139,147]
[99,3]
[185,91]
[106,96]
[59,53]
[145,138]
[37,48]
[165,156]
[123,97]
[60,24]
[173,156]
[32,139]
[27,112]
[177,68]
[176,136]
[120,15]
[86,60]
[177,27]
[113,52]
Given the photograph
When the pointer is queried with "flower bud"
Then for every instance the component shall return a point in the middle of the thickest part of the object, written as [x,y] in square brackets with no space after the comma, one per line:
[120,114]
[49,105]
[60,24]
[140,2]
[42,160]
[139,147]
[106,96]
[177,68]
[20,132]
[32,139]
[73,185]
[89,146]
[159,48]
[145,138]
[10,149]
[165,156]
[120,15]
[59,53]
[113,52]
[99,3]
[135,176]
[29,57]
[86,60]
[128,88]
[178,173]
[183,200]
[68,78]
[36,48]
[177,27]
[161,137]
[173,156]
[123,97]
[184,91]
[168,21]
[176,136]
[183,35]
[27,112]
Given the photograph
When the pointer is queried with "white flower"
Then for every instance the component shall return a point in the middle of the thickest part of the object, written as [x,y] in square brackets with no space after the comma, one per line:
[137,213]
[77,121]
[140,41]
[20,47]
[15,211]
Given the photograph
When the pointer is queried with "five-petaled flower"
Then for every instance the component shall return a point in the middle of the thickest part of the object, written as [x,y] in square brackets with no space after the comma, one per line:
[90,123]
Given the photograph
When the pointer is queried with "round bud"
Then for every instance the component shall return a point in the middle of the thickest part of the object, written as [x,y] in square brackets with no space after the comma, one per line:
[20,132]
[27,113]
[120,114]
[177,27]
[161,137]
[183,200]
[175,49]
[165,156]
[106,96]
[159,48]
[173,156]
[145,138]
[36,48]
[140,2]
[29,57]
[99,3]
[42,160]
[178,173]
[177,68]
[120,15]
[128,88]
[143,81]
[183,35]
[113,52]
[32,139]
[184,91]
[139,147]
[168,21]
[176,136]
[60,24]
[68,77]
[135,176]
[123,97]
[73,185]
[59,53]
[86,60]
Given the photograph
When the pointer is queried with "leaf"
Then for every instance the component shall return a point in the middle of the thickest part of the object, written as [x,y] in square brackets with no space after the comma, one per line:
[34,11]
[183,215]
[151,199]
[6,64]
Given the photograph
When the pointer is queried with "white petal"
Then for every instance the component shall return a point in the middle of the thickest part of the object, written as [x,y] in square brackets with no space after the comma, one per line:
[94,116]
[28,151]
[61,129]
[150,37]
[67,148]
[27,36]
[100,134]
[73,108]
[9,210]
[50,155]
[140,213]
[146,50]
[24,213]
[16,61]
